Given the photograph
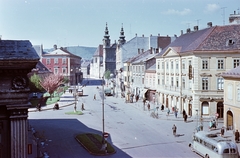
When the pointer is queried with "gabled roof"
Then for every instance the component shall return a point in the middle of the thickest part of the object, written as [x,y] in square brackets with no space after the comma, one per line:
[233,73]
[99,51]
[152,68]
[145,57]
[209,39]
[60,52]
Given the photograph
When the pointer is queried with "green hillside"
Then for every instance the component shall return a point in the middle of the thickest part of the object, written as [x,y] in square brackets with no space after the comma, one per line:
[82,51]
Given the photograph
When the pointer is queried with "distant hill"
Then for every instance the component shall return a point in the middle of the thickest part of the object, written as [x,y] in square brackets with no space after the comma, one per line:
[82,51]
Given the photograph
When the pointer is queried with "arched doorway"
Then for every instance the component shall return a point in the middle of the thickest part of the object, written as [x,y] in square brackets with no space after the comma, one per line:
[220,109]
[205,108]
[229,120]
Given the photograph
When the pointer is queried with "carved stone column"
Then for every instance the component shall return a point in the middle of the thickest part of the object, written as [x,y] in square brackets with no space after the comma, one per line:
[17,59]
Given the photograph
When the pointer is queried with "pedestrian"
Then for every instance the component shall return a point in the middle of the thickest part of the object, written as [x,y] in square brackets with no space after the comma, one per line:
[237,136]
[148,107]
[168,111]
[162,107]
[83,107]
[56,107]
[185,117]
[222,131]
[176,113]
[94,97]
[174,129]
[184,113]
[38,107]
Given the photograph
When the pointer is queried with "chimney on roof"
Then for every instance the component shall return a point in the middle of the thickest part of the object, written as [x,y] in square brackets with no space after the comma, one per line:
[143,35]
[157,50]
[181,32]
[151,50]
[136,35]
[138,50]
[159,34]
[188,30]
[195,28]
[55,47]
[151,35]
[209,24]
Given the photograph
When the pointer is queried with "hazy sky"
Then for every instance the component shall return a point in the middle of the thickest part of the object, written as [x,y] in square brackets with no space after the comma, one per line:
[82,22]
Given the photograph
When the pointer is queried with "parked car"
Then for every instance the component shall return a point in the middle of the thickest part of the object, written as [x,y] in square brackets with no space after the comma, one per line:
[80,92]
[108,91]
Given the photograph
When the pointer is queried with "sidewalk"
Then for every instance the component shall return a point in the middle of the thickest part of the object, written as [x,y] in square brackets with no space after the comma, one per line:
[66,99]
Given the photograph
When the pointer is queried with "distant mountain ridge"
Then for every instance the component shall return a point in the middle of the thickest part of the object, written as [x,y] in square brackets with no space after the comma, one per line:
[84,52]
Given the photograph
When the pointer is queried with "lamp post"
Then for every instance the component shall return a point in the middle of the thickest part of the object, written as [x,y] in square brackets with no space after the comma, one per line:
[103,131]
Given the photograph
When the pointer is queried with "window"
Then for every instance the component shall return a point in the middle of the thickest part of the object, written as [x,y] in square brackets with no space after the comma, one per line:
[183,64]
[48,61]
[158,66]
[142,80]
[177,66]
[238,94]
[163,82]
[162,65]
[158,81]
[55,60]
[55,70]
[176,82]
[171,81]
[171,64]
[220,63]
[64,60]
[64,70]
[220,83]
[204,83]
[167,65]
[183,83]
[236,63]
[205,64]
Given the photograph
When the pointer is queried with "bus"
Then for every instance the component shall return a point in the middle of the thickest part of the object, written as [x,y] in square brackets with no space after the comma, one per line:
[213,145]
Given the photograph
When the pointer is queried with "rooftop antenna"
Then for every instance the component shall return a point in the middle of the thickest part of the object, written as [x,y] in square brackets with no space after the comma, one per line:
[223,14]
[198,21]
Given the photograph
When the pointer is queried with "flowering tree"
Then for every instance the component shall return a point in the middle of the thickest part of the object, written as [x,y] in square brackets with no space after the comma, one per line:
[51,82]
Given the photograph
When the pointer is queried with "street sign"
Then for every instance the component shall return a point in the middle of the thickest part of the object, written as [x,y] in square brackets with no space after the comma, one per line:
[105,135]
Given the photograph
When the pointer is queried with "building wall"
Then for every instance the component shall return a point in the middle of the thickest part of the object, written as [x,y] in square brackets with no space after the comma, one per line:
[232,103]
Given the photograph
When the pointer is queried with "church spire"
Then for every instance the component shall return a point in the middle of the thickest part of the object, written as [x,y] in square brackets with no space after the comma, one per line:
[106,39]
[121,37]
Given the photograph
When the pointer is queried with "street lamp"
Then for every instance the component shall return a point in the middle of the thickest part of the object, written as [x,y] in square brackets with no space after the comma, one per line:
[103,139]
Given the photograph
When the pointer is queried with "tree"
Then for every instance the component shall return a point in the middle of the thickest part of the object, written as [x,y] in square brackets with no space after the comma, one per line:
[34,83]
[51,82]
[107,75]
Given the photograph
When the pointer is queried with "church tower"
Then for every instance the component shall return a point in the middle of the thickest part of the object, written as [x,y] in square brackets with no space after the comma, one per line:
[121,37]
[106,39]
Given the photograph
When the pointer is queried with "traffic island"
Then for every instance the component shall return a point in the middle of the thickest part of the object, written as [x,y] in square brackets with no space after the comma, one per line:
[93,144]
[74,113]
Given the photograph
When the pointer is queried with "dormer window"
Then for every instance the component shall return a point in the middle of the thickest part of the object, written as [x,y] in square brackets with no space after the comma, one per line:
[231,42]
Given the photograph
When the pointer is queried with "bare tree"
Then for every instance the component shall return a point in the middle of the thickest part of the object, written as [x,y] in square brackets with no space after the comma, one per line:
[51,82]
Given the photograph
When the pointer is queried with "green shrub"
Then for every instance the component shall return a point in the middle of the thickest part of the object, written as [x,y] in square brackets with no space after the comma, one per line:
[93,147]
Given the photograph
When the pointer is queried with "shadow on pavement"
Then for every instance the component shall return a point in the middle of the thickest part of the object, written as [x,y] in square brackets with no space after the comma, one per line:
[57,138]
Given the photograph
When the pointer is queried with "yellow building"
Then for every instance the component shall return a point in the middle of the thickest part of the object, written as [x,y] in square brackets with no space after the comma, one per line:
[232,98]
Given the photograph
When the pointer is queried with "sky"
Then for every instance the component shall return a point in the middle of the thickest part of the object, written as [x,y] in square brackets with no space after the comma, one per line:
[83,22]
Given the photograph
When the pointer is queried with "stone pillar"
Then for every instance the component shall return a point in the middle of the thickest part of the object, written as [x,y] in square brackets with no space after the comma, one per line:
[17,59]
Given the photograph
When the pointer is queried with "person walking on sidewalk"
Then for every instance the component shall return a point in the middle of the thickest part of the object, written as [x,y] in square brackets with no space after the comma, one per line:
[94,97]
[222,131]
[83,107]
[148,106]
[236,136]
[174,129]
